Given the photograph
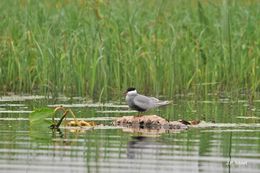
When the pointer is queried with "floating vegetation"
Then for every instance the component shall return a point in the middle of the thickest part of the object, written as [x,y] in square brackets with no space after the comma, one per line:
[42,117]
[12,105]
[15,112]
[97,127]
[154,125]
[68,119]
[204,124]
[230,130]
[75,122]
[13,119]
[116,111]
[13,98]
[81,123]
[193,122]
[39,124]
[89,105]
[149,122]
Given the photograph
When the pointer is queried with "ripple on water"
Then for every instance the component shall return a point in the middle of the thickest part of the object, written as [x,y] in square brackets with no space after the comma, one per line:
[223,147]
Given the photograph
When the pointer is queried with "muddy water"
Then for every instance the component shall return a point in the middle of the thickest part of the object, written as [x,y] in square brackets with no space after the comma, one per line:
[232,145]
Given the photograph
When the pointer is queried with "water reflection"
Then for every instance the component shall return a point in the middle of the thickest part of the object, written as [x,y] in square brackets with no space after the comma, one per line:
[219,148]
[194,150]
[137,144]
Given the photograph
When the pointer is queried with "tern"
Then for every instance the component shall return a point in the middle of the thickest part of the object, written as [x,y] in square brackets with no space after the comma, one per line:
[142,103]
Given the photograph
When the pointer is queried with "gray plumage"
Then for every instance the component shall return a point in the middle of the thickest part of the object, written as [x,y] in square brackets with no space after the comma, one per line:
[142,103]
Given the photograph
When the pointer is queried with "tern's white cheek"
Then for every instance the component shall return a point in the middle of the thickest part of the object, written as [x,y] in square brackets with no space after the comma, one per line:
[130,93]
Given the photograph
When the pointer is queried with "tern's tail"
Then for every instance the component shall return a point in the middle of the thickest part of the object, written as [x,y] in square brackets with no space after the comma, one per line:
[163,103]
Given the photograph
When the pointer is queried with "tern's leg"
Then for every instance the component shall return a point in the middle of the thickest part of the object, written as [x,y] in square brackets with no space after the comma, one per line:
[139,114]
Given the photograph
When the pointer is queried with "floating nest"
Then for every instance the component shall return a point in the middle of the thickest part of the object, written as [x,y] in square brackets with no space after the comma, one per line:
[150,122]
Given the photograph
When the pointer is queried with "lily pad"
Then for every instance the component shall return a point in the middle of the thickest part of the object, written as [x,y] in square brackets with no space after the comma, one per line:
[39,124]
[40,115]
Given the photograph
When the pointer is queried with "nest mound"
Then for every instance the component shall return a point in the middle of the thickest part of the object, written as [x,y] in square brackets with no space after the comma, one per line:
[148,121]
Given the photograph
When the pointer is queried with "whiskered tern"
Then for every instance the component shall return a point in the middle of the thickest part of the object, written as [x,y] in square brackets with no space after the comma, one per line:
[142,103]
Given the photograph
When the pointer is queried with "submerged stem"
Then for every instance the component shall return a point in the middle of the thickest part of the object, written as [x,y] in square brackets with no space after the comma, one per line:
[61,119]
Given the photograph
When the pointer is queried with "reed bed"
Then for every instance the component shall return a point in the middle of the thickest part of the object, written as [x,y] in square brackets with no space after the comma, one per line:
[97,48]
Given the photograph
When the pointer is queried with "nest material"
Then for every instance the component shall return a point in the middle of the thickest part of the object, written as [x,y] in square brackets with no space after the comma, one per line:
[81,123]
[148,121]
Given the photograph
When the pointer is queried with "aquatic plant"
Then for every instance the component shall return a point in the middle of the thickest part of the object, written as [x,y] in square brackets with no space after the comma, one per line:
[98,48]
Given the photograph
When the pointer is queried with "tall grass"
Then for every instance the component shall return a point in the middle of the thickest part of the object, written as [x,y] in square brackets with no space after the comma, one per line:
[98,48]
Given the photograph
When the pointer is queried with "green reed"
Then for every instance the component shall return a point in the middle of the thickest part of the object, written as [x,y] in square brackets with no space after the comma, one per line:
[98,48]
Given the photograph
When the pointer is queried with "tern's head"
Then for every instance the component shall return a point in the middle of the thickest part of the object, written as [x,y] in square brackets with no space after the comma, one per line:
[131,91]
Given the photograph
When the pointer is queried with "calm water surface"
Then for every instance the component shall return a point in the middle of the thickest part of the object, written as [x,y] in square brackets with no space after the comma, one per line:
[219,149]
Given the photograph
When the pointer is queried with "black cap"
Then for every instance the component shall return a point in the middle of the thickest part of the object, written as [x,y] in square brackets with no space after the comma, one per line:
[130,89]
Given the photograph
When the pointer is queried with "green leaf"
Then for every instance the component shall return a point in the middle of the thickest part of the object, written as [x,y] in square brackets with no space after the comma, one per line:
[40,115]
[39,125]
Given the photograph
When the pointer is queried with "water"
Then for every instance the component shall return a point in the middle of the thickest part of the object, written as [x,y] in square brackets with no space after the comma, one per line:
[232,145]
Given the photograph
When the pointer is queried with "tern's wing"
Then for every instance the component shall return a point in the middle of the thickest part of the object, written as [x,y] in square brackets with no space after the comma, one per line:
[154,99]
[143,102]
